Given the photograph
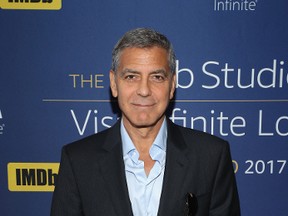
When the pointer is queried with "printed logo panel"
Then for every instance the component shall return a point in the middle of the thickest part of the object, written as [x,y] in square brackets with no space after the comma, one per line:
[32,176]
[31,4]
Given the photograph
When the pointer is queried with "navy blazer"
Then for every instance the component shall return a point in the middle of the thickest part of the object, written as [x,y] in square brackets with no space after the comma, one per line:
[92,182]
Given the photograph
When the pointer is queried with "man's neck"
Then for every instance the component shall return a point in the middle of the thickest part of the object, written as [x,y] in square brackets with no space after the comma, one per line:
[143,137]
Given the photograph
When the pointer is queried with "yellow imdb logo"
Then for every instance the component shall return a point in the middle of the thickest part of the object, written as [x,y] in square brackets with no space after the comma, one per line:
[31,4]
[32,176]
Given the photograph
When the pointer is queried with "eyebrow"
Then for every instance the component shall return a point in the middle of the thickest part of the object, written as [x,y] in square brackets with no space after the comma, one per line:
[159,71]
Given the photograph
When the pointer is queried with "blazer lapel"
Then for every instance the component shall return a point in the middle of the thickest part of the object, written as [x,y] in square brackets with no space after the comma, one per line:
[113,171]
[175,170]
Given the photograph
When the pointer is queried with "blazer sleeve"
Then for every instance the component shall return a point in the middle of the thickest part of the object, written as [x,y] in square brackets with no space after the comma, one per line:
[224,200]
[66,200]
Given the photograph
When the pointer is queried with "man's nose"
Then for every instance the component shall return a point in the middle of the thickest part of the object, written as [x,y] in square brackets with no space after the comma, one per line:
[144,88]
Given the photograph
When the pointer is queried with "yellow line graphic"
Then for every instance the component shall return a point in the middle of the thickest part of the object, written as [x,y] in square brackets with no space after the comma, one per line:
[178,101]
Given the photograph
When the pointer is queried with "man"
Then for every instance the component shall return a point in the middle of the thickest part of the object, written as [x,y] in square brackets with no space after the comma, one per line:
[145,165]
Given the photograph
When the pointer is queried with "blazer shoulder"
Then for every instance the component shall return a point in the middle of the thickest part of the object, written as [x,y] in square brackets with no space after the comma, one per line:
[194,137]
[95,143]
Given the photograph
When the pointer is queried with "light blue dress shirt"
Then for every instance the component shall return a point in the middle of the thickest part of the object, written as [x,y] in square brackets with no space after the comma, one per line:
[144,191]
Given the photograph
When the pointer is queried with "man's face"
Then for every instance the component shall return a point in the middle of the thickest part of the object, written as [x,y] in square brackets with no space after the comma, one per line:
[144,86]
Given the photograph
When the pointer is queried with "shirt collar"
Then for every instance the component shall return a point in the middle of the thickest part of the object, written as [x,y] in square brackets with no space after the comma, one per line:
[160,140]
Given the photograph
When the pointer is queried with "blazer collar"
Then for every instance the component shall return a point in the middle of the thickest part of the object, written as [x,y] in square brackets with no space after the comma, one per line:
[175,169]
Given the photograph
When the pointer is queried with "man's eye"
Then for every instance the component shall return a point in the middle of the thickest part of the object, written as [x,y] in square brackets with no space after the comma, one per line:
[130,77]
[158,78]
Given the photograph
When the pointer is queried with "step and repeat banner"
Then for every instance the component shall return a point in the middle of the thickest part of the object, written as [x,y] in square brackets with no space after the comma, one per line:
[232,81]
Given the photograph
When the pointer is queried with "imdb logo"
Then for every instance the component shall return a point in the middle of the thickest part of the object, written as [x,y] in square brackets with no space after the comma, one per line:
[32,176]
[31,4]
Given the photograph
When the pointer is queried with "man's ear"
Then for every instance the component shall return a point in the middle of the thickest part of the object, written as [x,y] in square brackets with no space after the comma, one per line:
[173,86]
[113,85]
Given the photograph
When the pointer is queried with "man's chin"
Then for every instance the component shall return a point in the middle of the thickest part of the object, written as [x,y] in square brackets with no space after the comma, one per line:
[146,123]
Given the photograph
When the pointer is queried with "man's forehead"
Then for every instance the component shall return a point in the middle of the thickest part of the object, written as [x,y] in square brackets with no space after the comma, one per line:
[149,59]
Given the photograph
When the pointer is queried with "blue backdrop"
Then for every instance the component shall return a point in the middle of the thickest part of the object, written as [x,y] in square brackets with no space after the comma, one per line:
[232,82]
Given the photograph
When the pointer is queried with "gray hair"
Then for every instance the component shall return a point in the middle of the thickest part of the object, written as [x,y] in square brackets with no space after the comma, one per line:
[143,38]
